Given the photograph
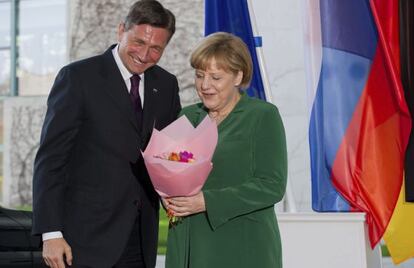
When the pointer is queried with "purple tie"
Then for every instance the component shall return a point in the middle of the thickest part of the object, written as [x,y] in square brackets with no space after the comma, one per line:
[135,98]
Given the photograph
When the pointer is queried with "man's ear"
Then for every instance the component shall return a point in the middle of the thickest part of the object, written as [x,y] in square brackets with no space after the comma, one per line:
[121,31]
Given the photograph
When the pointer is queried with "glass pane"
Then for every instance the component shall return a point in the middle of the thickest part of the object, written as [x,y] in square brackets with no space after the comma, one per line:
[4,72]
[42,44]
[4,47]
[4,24]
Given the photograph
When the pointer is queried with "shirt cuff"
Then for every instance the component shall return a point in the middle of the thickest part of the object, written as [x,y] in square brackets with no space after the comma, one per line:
[51,235]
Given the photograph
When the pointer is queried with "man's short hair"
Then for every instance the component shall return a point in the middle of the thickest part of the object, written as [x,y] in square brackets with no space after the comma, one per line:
[150,12]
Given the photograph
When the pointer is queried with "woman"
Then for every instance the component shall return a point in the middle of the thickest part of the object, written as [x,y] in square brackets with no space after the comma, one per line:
[231,222]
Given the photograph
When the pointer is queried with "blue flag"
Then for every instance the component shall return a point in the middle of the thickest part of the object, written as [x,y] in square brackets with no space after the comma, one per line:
[232,16]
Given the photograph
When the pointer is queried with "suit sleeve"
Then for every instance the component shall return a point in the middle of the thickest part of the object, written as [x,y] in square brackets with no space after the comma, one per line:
[268,182]
[62,122]
[176,104]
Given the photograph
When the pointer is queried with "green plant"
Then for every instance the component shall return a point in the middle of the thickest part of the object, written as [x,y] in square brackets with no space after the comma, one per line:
[25,207]
[384,251]
[162,233]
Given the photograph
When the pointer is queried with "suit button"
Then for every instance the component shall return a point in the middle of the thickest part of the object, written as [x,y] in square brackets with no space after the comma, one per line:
[137,204]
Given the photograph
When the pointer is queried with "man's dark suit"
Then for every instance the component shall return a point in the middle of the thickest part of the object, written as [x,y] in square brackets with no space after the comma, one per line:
[89,176]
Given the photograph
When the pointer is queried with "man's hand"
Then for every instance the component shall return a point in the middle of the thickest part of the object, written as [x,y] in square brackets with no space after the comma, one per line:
[54,250]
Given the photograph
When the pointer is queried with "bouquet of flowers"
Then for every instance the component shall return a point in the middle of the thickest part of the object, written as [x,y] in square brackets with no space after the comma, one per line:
[178,158]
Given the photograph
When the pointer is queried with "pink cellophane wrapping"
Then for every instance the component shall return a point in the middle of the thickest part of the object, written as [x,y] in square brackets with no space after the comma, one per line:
[171,178]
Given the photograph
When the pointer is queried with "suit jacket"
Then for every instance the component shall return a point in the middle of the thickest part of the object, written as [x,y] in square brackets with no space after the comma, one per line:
[239,227]
[89,176]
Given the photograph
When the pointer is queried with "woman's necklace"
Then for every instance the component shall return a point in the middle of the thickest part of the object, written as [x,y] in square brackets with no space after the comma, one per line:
[216,116]
[220,116]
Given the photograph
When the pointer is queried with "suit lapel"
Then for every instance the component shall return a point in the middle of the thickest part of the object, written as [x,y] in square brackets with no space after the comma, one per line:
[115,87]
[150,100]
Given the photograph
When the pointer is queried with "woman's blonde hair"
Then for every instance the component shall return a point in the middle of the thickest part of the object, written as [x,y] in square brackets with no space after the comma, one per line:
[229,52]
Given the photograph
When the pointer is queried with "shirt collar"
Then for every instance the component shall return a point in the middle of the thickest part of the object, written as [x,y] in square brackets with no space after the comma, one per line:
[126,75]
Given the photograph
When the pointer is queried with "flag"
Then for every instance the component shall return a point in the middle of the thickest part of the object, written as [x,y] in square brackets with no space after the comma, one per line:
[232,16]
[359,122]
[399,235]
[407,77]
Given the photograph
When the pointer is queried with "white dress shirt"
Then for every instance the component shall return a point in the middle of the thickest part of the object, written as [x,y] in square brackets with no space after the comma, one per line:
[126,75]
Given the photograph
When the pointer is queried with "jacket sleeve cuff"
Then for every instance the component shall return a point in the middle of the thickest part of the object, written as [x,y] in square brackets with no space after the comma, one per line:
[51,235]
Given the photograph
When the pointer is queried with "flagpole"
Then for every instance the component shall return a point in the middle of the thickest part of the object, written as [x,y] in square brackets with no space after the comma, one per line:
[288,200]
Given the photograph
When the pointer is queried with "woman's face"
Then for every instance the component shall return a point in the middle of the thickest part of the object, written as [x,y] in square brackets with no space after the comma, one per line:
[217,88]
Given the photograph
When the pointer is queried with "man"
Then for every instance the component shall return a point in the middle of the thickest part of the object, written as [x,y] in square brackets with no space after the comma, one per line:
[93,202]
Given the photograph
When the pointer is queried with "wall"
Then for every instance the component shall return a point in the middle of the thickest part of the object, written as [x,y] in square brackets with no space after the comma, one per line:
[23,119]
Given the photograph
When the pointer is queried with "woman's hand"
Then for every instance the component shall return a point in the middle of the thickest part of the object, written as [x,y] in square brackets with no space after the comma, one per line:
[184,206]
[164,203]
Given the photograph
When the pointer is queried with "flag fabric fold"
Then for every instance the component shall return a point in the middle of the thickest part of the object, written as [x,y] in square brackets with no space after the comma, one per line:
[360,123]
[407,77]
[232,16]
[400,232]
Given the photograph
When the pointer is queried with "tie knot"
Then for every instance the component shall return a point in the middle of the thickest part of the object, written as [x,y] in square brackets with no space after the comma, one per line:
[135,80]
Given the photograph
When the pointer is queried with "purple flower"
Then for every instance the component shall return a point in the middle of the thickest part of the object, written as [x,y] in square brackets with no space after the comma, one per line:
[185,156]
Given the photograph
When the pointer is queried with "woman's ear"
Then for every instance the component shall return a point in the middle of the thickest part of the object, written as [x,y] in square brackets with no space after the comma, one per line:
[238,79]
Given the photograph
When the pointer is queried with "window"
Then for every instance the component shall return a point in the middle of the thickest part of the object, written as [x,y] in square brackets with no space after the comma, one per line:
[41,34]
[42,44]
[4,47]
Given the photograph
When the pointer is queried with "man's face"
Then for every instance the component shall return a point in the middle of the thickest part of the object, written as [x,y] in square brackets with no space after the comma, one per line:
[141,46]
